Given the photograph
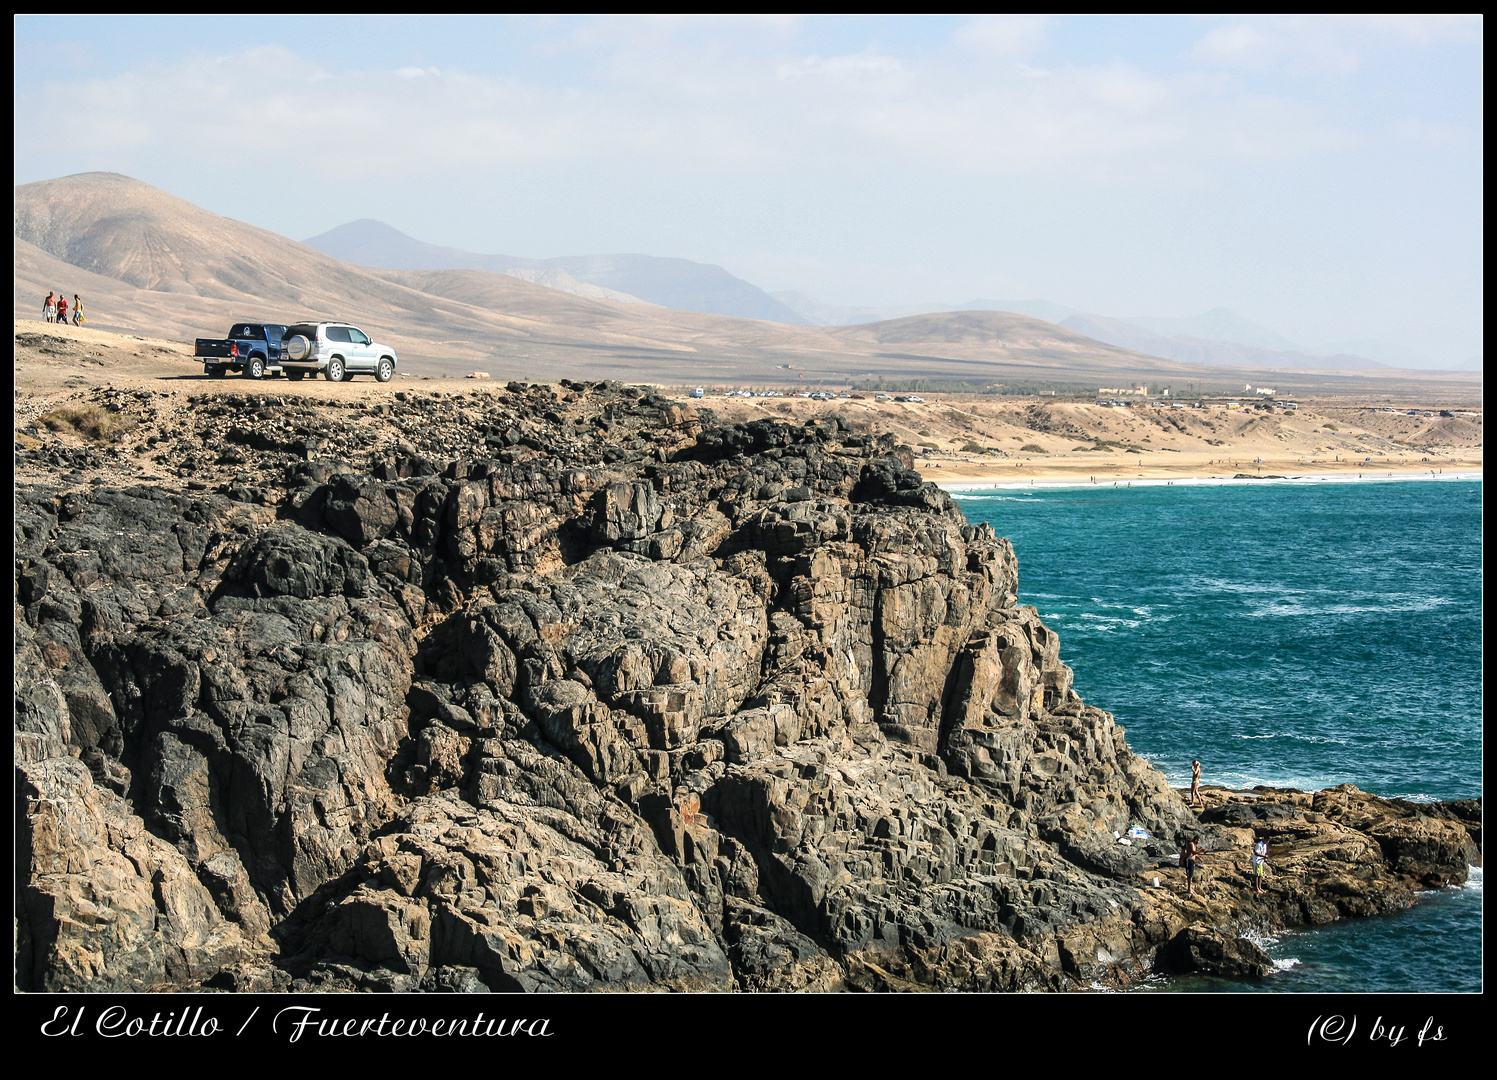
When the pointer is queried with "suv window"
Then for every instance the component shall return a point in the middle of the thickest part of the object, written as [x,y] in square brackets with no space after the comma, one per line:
[339,333]
[357,336]
[306,330]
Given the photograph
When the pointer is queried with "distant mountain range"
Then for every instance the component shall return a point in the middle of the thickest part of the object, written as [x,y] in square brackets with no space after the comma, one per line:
[1188,349]
[672,283]
[1218,338]
[820,314]
[150,263]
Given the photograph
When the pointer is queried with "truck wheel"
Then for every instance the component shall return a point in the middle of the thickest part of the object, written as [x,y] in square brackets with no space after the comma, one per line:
[386,370]
[294,376]
[215,371]
[334,371]
[256,368]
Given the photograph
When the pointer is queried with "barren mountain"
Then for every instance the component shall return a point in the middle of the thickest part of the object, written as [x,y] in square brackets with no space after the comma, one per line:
[149,263]
[672,283]
[1189,349]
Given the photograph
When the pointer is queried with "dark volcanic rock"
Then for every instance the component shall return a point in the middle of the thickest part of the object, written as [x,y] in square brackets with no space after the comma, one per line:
[582,690]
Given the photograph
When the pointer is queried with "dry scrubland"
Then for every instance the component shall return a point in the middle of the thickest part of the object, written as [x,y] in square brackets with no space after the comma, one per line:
[957,438]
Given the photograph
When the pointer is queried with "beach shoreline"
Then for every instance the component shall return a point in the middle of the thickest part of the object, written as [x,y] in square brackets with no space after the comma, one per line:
[974,485]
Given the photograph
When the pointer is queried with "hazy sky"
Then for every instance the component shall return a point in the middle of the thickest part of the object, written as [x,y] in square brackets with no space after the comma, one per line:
[1319,176]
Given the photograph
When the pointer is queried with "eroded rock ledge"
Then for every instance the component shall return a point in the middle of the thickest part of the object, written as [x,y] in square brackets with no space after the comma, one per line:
[574,688]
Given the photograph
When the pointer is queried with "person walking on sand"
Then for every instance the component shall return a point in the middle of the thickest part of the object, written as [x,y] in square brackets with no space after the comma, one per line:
[1195,784]
[49,307]
[1260,864]
[77,311]
[62,309]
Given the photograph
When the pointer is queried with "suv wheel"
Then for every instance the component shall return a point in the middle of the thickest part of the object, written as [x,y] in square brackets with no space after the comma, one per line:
[335,371]
[294,375]
[256,368]
[386,370]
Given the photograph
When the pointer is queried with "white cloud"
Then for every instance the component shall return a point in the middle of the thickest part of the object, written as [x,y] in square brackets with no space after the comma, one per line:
[1004,37]
[843,68]
[685,97]
[1325,46]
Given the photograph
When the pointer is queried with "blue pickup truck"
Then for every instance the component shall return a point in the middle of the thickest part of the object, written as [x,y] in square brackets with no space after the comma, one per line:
[253,349]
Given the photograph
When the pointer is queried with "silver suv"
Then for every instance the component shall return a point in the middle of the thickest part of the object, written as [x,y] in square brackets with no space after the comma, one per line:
[338,350]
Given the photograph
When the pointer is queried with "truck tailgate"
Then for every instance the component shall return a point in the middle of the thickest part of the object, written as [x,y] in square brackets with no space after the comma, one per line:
[209,347]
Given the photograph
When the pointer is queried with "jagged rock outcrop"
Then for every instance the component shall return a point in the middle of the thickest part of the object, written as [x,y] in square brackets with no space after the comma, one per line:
[577,689]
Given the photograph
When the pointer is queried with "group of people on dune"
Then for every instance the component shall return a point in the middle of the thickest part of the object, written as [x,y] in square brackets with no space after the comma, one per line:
[55,309]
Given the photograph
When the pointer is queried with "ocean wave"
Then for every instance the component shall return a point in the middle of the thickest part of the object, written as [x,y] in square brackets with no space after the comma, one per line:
[1391,605]
[1284,964]
[1108,622]
[1249,587]
[1294,736]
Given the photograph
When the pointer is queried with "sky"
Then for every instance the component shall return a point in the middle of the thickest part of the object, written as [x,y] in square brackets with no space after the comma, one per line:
[1320,176]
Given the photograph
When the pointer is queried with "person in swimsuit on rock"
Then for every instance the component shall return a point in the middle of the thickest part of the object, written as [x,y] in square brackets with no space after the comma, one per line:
[1189,855]
[1260,863]
[1195,784]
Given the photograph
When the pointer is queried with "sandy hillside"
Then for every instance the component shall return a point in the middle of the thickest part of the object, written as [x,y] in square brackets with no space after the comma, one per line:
[152,264]
[155,264]
[985,438]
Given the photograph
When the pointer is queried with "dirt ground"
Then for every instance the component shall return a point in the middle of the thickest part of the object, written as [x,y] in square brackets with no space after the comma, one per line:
[958,438]
[972,438]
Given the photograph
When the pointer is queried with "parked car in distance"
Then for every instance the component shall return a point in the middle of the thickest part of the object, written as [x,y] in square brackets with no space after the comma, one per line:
[251,348]
[338,350]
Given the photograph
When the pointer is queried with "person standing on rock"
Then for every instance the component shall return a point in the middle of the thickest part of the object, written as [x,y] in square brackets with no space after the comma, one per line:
[1260,864]
[1195,784]
[49,307]
[1189,856]
[77,311]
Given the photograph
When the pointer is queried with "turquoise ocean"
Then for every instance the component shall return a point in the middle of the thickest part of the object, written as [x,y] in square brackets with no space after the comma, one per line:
[1291,634]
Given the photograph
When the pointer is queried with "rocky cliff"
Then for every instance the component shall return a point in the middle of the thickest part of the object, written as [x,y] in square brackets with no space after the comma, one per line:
[574,688]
